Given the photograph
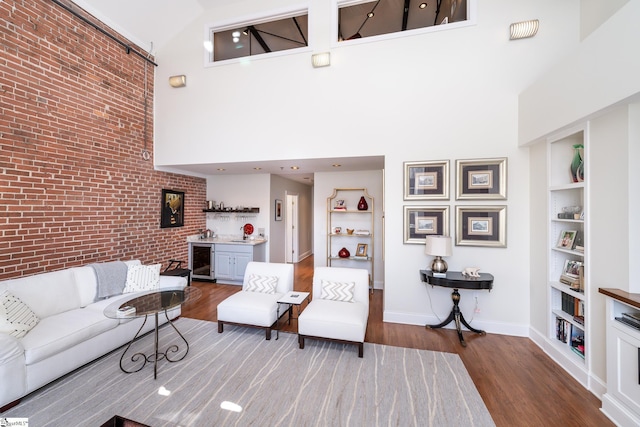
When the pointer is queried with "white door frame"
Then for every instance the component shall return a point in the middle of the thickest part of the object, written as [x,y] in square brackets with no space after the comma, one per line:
[292,238]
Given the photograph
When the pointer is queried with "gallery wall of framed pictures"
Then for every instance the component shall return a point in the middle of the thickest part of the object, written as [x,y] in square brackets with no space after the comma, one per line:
[476,180]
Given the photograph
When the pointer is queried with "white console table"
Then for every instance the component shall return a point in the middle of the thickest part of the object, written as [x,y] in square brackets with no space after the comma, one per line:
[621,402]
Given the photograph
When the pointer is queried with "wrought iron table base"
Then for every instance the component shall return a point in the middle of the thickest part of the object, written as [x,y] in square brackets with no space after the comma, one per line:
[157,355]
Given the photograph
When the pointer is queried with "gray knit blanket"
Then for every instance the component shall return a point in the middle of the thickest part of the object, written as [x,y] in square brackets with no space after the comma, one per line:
[111,278]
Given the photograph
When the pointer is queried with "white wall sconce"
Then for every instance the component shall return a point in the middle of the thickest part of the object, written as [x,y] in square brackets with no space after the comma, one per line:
[178,81]
[524,29]
[321,59]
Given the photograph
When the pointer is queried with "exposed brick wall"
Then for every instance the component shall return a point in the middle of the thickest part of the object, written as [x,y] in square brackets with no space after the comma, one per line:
[74,187]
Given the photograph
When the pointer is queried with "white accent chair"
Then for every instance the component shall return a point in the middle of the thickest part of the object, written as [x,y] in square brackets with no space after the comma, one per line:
[256,309]
[339,321]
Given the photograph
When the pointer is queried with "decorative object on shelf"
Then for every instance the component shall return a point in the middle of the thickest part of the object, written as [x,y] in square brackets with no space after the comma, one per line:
[481,226]
[361,250]
[481,179]
[566,239]
[278,210]
[337,230]
[344,253]
[421,221]
[340,205]
[210,205]
[426,180]
[363,205]
[248,229]
[172,209]
[577,163]
[471,272]
[350,231]
[438,246]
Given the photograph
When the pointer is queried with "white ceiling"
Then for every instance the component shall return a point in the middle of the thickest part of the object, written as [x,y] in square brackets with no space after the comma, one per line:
[150,23]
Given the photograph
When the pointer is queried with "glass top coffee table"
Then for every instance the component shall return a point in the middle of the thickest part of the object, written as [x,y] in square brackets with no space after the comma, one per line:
[147,304]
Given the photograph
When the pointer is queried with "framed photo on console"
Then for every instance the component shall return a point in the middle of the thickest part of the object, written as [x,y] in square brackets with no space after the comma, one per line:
[481,226]
[426,180]
[172,209]
[421,221]
[481,179]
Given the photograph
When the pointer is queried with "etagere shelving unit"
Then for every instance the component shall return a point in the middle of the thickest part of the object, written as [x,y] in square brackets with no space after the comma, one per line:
[346,216]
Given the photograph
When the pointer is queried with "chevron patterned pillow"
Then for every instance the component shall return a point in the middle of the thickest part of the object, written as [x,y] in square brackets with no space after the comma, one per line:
[16,318]
[263,284]
[337,291]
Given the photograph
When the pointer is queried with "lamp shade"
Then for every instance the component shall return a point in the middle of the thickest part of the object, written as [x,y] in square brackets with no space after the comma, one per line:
[438,246]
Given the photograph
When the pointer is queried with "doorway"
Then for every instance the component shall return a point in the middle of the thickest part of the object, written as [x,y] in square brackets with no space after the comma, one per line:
[292,238]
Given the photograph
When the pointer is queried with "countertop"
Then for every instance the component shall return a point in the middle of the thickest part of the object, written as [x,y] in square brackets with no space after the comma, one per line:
[228,240]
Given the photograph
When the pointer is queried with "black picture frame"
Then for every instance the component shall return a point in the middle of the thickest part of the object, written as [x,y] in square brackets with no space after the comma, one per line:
[426,180]
[422,221]
[172,209]
[481,226]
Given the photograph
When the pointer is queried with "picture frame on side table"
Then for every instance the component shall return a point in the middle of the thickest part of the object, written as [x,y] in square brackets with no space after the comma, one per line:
[278,210]
[172,209]
[481,226]
[426,180]
[421,221]
[481,179]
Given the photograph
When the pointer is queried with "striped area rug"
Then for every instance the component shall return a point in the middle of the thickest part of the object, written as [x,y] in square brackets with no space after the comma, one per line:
[272,383]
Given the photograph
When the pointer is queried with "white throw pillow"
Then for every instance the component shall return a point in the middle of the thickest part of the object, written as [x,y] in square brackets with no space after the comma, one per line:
[142,278]
[337,291]
[16,318]
[263,284]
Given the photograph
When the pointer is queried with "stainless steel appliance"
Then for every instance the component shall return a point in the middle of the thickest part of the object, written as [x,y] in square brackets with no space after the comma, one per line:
[201,261]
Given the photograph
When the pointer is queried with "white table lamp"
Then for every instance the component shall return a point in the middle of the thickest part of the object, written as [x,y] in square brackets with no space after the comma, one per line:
[438,246]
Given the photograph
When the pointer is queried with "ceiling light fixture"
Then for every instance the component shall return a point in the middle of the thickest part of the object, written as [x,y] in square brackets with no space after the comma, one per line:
[295,168]
[257,168]
[336,165]
[178,81]
[221,169]
[422,5]
[524,29]
[370,14]
[245,31]
[321,59]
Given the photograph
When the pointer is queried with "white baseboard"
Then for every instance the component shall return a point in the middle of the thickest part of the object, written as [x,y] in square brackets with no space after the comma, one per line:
[487,326]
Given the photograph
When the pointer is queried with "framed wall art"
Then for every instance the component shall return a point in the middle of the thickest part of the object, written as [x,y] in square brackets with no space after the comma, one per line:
[481,179]
[481,226]
[172,209]
[421,221]
[278,210]
[426,180]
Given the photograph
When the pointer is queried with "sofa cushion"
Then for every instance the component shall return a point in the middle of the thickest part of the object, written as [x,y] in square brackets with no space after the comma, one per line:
[335,320]
[251,308]
[142,278]
[259,283]
[16,318]
[60,332]
[337,291]
[47,293]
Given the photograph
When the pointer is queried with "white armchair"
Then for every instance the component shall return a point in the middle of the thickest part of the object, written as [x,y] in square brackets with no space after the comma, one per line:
[256,304]
[339,310]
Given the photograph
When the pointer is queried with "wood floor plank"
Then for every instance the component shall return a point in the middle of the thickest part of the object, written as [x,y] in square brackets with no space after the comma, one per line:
[518,382]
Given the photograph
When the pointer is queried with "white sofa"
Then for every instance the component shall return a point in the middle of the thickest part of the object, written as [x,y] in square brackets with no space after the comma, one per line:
[72,330]
[257,309]
[329,319]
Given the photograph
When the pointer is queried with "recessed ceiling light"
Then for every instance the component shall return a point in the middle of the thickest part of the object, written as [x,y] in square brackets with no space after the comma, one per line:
[336,165]
[422,5]
[370,14]
[257,169]
[295,168]
[235,34]
[221,169]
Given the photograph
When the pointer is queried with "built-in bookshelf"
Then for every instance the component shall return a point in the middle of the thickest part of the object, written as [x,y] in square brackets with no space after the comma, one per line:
[567,242]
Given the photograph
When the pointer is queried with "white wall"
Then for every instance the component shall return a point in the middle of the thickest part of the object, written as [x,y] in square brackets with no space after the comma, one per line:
[450,94]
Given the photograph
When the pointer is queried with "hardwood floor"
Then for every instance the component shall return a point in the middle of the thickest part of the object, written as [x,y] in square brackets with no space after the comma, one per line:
[518,382]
